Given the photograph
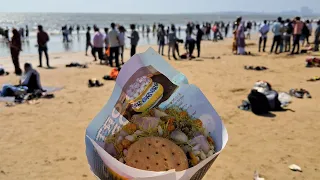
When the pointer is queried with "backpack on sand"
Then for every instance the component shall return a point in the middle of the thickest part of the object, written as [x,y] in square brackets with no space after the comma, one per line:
[259,102]
[272,97]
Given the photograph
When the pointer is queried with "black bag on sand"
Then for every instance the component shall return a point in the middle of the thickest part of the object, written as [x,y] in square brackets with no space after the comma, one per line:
[274,103]
[259,102]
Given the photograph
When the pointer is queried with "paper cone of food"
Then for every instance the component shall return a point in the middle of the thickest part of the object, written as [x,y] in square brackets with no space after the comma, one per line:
[154,126]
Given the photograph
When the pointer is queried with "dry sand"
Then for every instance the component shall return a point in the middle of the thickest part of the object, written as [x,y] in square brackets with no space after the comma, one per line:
[46,140]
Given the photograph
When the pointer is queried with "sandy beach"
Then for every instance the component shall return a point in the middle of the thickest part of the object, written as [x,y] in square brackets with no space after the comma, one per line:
[45,140]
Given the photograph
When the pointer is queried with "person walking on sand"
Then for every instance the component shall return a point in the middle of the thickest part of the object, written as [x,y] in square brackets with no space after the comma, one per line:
[198,38]
[240,37]
[264,30]
[297,30]
[276,29]
[88,40]
[98,41]
[114,44]
[317,37]
[122,34]
[287,35]
[134,39]
[42,39]
[172,43]
[27,32]
[161,41]
[106,38]
[226,29]
[15,48]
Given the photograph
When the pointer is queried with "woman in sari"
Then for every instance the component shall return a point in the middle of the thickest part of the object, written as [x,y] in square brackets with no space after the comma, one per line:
[241,38]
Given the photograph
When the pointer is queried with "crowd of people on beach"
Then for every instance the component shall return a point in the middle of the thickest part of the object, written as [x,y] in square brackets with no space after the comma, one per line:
[285,33]
[110,44]
[15,45]
[289,32]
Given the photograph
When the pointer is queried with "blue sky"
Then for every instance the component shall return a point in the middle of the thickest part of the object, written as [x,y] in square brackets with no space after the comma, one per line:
[155,6]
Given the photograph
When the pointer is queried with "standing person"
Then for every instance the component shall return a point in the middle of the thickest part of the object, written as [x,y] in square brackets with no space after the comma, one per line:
[282,30]
[134,39]
[65,33]
[6,34]
[21,32]
[114,45]
[70,31]
[276,29]
[249,26]
[287,35]
[43,39]
[148,30]
[27,32]
[240,37]
[226,29]
[154,27]
[305,33]
[297,30]
[317,37]
[98,41]
[190,44]
[142,29]
[88,40]
[106,38]
[309,25]
[122,33]
[172,43]
[78,29]
[215,32]
[161,42]
[264,29]
[15,48]
[198,38]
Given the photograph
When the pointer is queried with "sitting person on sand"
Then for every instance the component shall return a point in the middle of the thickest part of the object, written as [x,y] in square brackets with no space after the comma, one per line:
[31,79]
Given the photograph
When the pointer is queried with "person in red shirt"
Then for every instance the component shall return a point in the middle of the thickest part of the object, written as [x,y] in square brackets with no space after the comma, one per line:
[15,48]
[43,39]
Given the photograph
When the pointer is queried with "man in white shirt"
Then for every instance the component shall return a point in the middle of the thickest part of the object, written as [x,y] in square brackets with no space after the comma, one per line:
[264,29]
[114,44]
[98,41]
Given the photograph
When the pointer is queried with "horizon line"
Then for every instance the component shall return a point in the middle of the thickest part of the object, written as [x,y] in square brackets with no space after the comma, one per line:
[183,13]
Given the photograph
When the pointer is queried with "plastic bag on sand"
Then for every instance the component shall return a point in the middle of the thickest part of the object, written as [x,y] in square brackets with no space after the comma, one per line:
[176,92]
[284,98]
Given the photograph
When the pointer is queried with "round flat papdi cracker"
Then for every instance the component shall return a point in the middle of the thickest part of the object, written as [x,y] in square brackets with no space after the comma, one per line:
[156,154]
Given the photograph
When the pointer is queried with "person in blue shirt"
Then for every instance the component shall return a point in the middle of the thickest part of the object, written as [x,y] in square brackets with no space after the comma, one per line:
[276,29]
